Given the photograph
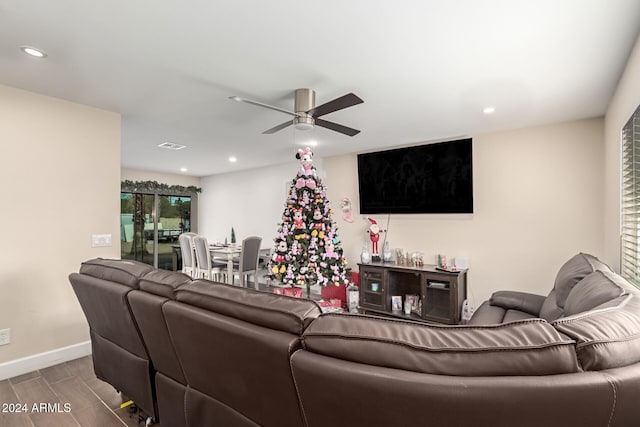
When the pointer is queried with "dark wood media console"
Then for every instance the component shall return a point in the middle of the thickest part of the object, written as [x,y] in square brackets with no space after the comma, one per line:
[441,292]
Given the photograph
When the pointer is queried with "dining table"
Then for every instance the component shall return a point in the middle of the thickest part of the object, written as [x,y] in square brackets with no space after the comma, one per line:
[230,253]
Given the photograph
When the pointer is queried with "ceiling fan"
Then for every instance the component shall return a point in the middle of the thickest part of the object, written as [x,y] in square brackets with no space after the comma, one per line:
[306,114]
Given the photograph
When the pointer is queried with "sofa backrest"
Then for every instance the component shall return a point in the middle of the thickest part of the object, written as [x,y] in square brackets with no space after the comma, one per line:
[338,392]
[156,288]
[390,372]
[272,311]
[119,353]
[234,345]
[569,275]
[528,347]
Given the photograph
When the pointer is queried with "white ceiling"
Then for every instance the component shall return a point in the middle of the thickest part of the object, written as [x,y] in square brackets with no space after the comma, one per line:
[425,69]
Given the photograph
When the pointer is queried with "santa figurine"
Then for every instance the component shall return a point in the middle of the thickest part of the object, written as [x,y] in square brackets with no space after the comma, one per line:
[374,235]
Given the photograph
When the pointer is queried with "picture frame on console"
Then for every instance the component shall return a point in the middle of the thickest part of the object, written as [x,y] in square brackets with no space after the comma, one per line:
[413,300]
[396,303]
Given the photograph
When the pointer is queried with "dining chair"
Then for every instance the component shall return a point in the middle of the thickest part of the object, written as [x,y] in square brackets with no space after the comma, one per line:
[248,262]
[206,267]
[188,252]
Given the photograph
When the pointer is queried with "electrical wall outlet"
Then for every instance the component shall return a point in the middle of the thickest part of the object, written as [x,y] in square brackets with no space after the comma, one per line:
[5,336]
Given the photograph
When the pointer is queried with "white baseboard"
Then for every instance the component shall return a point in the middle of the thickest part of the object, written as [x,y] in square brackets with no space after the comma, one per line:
[28,364]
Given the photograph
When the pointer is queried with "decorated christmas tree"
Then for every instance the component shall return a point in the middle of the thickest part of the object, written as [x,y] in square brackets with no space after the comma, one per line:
[307,248]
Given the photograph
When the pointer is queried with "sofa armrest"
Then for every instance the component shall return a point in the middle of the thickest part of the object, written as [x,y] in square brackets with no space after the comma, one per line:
[522,301]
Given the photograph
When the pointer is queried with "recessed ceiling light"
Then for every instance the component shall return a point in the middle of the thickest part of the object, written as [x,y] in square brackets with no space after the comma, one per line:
[489,110]
[183,169]
[36,53]
[233,159]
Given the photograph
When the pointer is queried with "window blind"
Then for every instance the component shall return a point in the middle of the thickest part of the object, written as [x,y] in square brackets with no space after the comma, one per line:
[630,200]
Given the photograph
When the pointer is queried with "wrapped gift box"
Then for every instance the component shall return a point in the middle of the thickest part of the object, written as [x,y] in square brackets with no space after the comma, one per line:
[355,278]
[333,305]
[288,291]
[292,292]
[334,292]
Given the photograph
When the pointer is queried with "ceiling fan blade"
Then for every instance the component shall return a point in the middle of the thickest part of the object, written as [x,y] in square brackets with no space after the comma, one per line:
[279,127]
[336,127]
[260,104]
[345,101]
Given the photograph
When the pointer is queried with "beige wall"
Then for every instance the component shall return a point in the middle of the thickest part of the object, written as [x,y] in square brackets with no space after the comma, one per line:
[251,201]
[60,180]
[538,201]
[624,102]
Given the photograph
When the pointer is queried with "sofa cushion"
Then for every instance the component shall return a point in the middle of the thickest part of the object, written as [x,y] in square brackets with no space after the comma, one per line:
[163,282]
[572,272]
[279,312]
[595,289]
[489,314]
[530,347]
[550,310]
[607,336]
[114,270]
[515,315]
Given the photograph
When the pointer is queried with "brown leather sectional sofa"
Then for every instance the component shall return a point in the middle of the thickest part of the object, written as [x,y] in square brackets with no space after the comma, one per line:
[199,353]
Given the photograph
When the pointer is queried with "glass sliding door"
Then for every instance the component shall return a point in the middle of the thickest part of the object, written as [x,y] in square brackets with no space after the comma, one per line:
[137,227]
[150,225]
[174,218]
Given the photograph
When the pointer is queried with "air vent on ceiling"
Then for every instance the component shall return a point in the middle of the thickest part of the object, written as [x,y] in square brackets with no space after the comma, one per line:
[171,146]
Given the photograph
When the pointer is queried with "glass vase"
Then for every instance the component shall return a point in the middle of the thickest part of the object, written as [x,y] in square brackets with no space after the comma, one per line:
[365,256]
[386,252]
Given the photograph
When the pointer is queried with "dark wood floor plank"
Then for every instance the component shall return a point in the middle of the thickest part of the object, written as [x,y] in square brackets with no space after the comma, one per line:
[6,392]
[82,367]
[53,419]
[75,392]
[90,401]
[56,373]
[36,391]
[15,417]
[106,392]
[15,420]
[130,420]
[24,377]
[97,415]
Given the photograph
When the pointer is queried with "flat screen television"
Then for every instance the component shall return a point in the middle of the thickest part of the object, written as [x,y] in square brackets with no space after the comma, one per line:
[432,178]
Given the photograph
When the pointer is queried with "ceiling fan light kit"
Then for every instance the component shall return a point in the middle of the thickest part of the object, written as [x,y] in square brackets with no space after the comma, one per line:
[303,123]
[305,114]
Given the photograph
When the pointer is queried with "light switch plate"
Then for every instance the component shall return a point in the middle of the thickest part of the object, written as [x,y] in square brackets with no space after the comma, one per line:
[100,240]
[5,336]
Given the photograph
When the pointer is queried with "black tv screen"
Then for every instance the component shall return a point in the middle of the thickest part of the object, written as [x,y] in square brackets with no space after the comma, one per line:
[431,178]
